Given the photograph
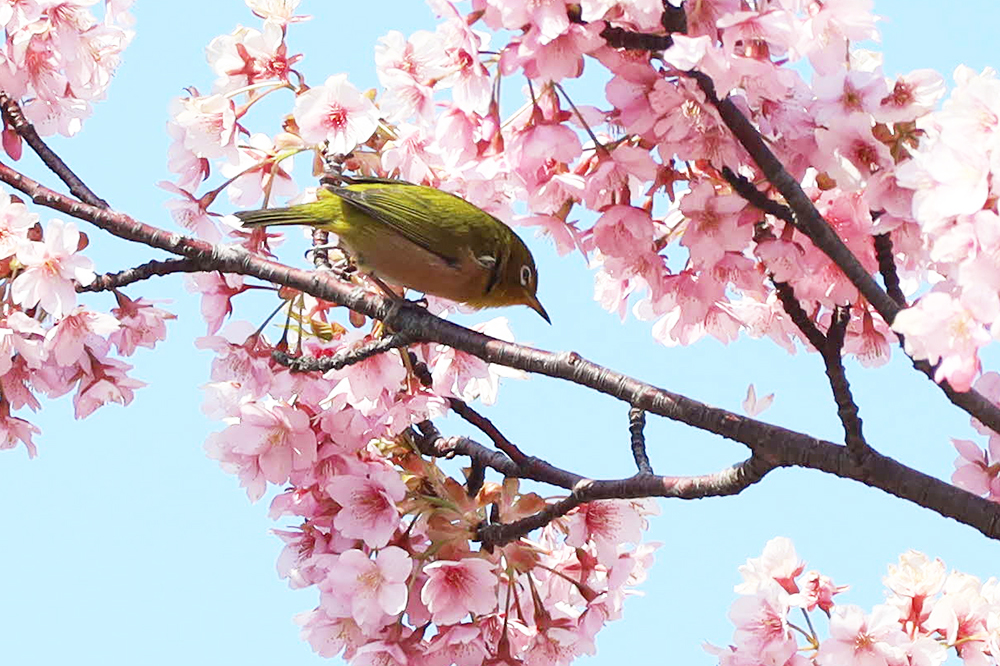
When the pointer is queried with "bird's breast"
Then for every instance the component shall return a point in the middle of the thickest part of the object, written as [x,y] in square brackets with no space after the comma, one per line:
[396,259]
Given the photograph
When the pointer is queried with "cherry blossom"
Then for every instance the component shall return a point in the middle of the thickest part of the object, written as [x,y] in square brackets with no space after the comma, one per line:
[337,113]
[371,591]
[368,505]
[51,266]
[455,589]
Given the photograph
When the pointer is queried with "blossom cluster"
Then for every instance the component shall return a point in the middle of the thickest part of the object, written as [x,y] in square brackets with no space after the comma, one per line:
[385,535]
[50,345]
[636,183]
[928,613]
[58,58]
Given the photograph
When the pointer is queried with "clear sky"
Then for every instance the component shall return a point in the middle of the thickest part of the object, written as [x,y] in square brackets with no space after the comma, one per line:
[123,543]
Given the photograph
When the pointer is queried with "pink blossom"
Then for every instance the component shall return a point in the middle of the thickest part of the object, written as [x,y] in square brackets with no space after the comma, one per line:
[565,235]
[329,636]
[947,179]
[217,291]
[686,52]
[15,221]
[16,389]
[381,653]
[208,124]
[468,377]
[871,345]
[367,382]
[555,59]
[469,80]
[278,11]
[714,224]
[79,330]
[279,436]
[912,96]
[914,584]
[778,562]
[14,430]
[864,640]
[818,591]
[607,524]
[461,644]
[752,406]
[622,229]
[368,505]
[257,170]
[617,177]
[141,324]
[762,625]
[337,113]
[249,56]
[939,328]
[841,93]
[103,382]
[371,591]
[455,589]
[960,616]
[241,355]
[406,69]
[976,470]
[52,268]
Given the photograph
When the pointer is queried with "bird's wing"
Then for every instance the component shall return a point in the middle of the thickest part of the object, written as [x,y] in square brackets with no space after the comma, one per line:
[405,212]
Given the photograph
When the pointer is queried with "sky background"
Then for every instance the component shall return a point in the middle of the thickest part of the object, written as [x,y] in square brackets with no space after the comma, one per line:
[123,543]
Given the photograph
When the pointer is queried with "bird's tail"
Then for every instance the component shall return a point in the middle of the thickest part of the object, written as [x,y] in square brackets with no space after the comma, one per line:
[266,217]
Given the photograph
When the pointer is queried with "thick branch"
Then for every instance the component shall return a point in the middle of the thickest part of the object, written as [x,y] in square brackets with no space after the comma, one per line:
[772,444]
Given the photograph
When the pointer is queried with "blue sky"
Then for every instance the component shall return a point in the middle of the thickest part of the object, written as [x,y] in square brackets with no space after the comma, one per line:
[123,543]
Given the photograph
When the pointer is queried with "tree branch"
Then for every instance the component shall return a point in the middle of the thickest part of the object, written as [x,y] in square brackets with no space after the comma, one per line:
[812,224]
[729,481]
[110,281]
[344,357]
[771,444]
[887,267]
[636,425]
[14,117]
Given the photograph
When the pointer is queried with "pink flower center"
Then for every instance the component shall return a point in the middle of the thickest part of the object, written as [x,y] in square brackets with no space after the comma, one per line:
[336,117]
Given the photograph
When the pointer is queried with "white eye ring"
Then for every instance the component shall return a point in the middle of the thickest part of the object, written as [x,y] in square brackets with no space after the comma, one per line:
[525,276]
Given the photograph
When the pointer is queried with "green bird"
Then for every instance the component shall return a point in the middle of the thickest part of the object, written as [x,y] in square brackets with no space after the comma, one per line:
[422,238]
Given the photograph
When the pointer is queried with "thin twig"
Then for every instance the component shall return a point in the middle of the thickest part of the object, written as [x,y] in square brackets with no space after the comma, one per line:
[830,346]
[620,38]
[847,408]
[14,117]
[344,357]
[887,267]
[109,281]
[462,408]
[743,187]
[729,481]
[636,425]
[802,321]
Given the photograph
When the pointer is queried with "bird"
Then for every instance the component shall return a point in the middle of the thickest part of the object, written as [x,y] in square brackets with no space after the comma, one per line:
[419,237]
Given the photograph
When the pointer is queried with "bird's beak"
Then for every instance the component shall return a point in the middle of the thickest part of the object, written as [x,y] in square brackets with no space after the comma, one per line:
[532,302]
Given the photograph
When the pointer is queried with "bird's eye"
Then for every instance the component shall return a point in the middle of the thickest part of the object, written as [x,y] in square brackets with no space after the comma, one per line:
[525,276]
